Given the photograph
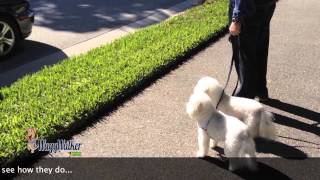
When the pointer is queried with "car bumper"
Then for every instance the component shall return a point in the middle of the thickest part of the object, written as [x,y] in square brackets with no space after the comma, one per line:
[25,21]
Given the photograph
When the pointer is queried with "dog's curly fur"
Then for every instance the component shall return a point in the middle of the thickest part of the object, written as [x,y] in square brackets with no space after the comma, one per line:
[251,112]
[215,125]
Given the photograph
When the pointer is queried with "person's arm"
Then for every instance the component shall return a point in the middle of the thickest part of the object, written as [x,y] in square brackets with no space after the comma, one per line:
[235,26]
[240,9]
[237,10]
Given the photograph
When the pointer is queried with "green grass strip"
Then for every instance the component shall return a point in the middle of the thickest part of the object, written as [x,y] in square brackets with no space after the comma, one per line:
[59,95]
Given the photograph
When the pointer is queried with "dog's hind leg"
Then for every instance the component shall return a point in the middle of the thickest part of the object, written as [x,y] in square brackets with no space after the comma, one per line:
[253,121]
[203,143]
[232,157]
[266,127]
[247,152]
[231,150]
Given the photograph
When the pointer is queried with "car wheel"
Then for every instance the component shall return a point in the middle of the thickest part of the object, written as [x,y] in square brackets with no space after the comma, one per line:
[8,36]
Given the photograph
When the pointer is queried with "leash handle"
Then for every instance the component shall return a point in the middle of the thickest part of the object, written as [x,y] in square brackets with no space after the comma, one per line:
[230,68]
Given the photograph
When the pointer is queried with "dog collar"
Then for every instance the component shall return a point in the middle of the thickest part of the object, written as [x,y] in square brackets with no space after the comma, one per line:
[206,127]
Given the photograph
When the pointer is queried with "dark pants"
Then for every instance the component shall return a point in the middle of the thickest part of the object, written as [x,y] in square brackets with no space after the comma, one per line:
[251,60]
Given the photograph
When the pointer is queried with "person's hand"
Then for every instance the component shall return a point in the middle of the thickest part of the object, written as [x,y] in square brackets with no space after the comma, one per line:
[235,28]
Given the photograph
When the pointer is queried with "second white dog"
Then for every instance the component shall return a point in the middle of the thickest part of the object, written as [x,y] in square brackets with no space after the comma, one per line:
[251,112]
[220,127]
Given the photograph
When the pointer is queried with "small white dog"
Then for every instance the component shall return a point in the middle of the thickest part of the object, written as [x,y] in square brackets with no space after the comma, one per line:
[251,112]
[220,127]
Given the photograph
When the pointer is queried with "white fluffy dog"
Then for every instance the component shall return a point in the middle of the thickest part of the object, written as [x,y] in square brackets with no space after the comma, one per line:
[251,112]
[220,127]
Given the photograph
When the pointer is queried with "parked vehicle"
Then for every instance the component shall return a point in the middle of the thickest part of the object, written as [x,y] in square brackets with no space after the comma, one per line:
[16,19]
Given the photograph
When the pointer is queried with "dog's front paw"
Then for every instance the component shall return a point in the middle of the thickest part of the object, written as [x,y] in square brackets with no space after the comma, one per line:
[200,154]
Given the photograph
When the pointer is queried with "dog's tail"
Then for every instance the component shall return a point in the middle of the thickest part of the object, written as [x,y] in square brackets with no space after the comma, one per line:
[266,127]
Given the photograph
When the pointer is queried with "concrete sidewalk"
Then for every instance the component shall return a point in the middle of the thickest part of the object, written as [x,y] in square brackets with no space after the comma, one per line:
[154,123]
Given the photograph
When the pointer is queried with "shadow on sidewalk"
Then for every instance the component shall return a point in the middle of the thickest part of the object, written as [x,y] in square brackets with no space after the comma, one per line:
[286,121]
[301,140]
[272,147]
[264,172]
[279,149]
[293,109]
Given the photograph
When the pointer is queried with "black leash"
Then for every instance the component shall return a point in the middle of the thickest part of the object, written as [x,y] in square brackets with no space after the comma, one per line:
[229,74]
[230,68]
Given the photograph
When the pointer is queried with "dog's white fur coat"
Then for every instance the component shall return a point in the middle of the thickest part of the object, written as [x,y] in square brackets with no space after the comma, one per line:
[251,112]
[220,127]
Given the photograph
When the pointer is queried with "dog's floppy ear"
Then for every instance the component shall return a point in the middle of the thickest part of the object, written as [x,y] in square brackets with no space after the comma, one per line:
[193,108]
[206,90]
[199,107]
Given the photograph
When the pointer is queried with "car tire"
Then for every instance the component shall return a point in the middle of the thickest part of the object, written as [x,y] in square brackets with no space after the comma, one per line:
[9,36]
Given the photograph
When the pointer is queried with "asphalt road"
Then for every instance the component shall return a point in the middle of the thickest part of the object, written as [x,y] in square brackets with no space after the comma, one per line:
[60,24]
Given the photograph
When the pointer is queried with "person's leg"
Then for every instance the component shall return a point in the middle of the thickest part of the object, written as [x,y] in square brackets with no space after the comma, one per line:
[262,52]
[244,53]
[243,67]
[240,65]
[244,62]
